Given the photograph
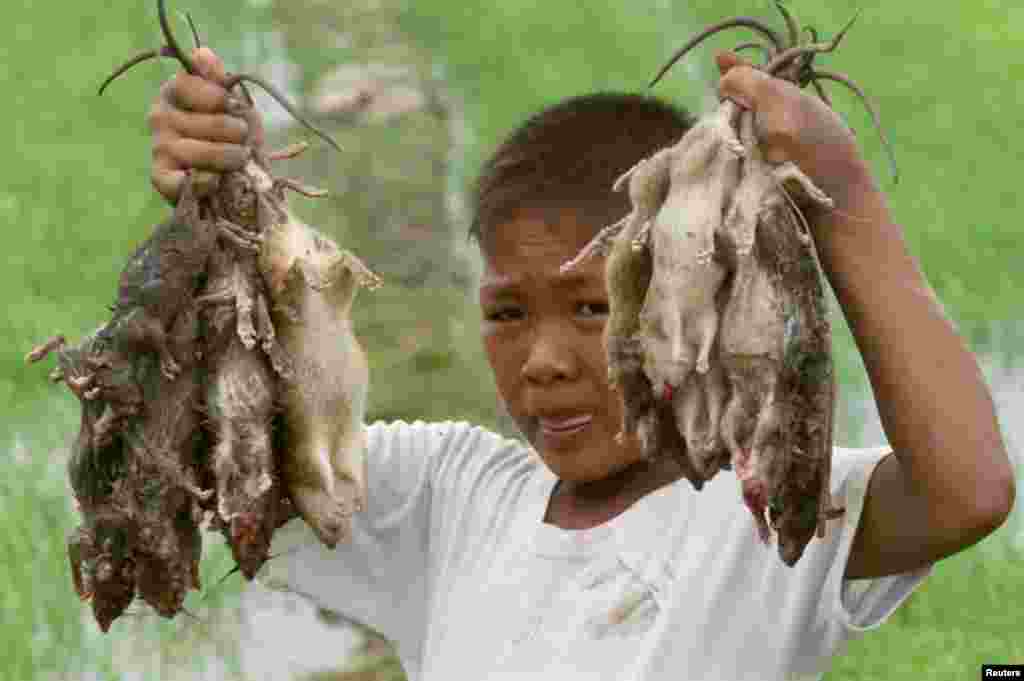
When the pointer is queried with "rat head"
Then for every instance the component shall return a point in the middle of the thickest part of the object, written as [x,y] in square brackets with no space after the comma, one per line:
[795,517]
[542,196]
[103,567]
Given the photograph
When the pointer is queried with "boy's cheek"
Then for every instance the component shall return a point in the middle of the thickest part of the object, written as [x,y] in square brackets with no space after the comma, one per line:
[503,356]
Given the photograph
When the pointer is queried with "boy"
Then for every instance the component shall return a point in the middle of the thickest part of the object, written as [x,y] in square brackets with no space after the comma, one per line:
[574,558]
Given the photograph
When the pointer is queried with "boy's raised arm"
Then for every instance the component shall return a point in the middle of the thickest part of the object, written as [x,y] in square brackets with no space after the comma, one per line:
[951,481]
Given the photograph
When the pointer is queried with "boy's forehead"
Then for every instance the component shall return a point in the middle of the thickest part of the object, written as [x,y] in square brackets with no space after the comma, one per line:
[534,247]
[538,234]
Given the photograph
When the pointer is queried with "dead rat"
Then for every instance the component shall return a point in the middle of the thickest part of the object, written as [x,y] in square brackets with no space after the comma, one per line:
[312,285]
[99,550]
[145,378]
[250,213]
[679,316]
[628,275]
[759,296]
[160,480]
[775,348]
[240,396]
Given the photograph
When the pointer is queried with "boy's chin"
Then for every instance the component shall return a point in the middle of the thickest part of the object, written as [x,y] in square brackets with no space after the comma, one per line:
[577,467]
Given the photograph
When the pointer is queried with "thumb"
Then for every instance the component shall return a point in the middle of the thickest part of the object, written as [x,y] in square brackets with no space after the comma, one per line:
[728,60]
[741,81]
[209,65]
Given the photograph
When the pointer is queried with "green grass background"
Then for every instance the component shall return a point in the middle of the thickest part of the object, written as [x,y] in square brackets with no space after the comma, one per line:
[75,199]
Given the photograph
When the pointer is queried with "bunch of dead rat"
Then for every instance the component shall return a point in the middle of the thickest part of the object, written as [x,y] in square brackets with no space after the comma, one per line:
[228,389]
[718,339]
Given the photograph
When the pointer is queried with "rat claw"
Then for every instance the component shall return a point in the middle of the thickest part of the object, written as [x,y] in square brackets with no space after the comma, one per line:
[169,368]
[239,236]
[43,350]
[299,188]
[81,382]
[291,151]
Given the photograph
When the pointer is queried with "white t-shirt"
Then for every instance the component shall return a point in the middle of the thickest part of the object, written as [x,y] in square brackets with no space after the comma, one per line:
[452,562]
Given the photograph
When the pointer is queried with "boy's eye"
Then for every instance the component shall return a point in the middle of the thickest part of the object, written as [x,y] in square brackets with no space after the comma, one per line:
[507,313]
[594,309]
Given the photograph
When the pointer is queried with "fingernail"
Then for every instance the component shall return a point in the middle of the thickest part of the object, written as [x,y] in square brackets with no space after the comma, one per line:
[739,101]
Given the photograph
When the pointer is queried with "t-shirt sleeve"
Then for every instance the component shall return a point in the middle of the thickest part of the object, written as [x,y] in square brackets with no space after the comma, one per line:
[861,604]
[380,576]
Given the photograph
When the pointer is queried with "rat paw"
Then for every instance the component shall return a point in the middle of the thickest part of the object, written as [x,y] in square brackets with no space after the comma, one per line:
[169,367]
[326,516]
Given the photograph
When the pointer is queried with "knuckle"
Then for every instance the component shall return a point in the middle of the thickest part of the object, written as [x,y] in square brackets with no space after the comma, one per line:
[786,125]
[232,129]
[167,185]
[178,150]
[161,151]
[160,119]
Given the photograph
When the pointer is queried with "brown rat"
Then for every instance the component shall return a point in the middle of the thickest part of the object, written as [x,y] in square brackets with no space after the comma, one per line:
[312,284]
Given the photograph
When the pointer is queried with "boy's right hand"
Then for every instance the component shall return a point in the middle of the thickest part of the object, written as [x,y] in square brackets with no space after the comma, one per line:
[197,125]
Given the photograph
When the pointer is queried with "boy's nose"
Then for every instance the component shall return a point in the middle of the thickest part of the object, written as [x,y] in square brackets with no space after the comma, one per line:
[551,359]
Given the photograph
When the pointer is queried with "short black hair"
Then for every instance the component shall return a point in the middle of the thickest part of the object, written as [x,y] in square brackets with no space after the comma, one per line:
[567,156]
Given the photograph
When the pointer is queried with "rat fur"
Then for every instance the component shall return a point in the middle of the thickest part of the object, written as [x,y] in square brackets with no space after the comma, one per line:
[312,285]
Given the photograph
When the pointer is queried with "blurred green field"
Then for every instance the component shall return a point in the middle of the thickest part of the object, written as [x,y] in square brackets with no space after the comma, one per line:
[75,200]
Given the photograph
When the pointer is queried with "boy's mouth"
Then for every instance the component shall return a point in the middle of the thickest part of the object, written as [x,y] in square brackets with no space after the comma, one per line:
[551,426]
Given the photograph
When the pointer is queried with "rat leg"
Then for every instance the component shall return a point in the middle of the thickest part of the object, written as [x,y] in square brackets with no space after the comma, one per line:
[647,432]
[636,397]
[40,352]
[238,236]
[599,245]
[688,405]
[290,151]
[312,491]
[82,587]
[300,188]
[707,328]
[243,311]
[643,237]
[364,275]
[715,395]
[621,179]
[793,180]
[729,427]
[141,330]
[349,464]
[279,360]
[168,467]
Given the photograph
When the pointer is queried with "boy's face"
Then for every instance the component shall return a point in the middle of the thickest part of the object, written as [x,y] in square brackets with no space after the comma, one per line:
[542,331]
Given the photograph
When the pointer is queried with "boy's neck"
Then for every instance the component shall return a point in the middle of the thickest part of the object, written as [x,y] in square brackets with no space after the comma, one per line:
[580,506]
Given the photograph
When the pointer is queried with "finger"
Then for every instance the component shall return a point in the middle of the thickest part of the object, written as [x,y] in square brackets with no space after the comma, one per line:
[208,127]
[729,60]
[169,183]
[742,83]
[209,65]
[195,93]
[183,152]
[166,177]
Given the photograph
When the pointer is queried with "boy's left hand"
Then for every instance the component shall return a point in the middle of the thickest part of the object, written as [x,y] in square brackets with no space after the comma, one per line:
[793,125]
[949,481]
